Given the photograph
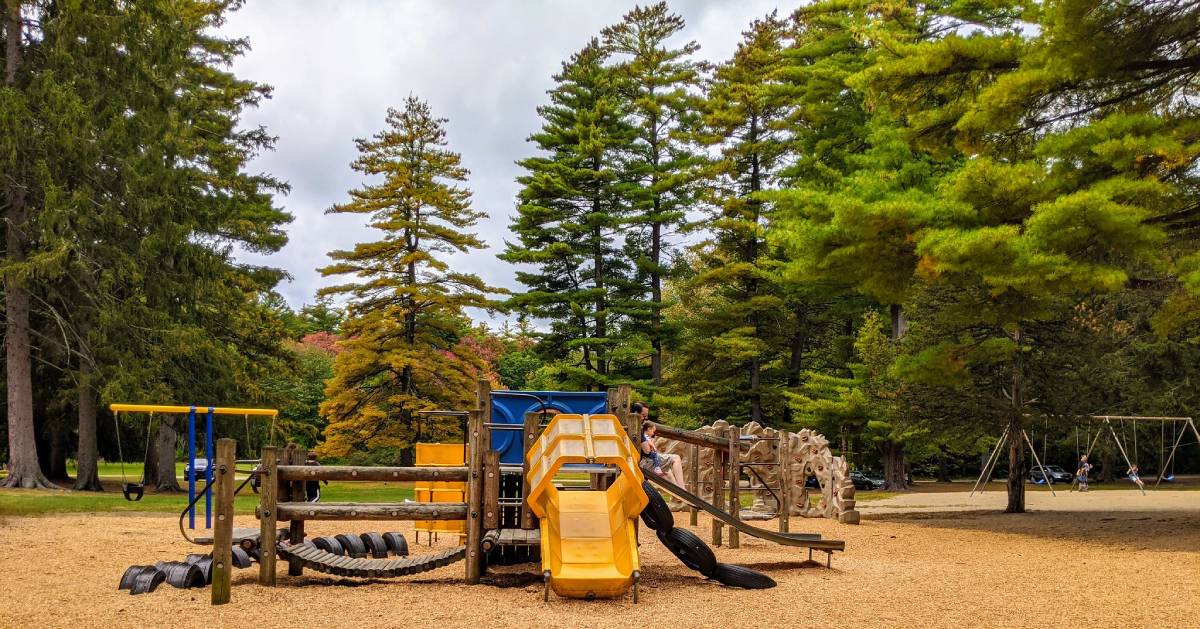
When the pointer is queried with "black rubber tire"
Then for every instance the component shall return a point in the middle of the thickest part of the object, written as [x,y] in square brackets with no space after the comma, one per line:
[131,575]
[353,544]
[396,543]
[196,558]
[657,515]
[205,566]
[147,581]
[241,559]
[329,545]
[183,575]
[690,549]
[375,545]
[742,577]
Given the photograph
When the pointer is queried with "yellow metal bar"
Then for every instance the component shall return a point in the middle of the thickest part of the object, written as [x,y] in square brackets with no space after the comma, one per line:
[217,410]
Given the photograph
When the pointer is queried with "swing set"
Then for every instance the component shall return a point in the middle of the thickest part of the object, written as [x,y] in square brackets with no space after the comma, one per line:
[134,491]
[1106,422]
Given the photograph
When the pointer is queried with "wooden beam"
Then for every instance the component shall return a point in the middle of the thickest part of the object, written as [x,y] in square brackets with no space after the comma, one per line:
[474,506]
[785,481]
[292,511]
[295,489]
[718,491]
[267,501]
[530,431]
[222,566]
[491,490]
[690,436]
[735,483]
[370,473]
[693,480]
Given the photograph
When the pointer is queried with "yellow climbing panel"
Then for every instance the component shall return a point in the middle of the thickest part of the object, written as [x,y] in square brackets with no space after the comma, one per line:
[440,455]
[588,541]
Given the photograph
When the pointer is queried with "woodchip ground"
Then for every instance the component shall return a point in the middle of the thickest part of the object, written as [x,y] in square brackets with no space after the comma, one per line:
[1110,558]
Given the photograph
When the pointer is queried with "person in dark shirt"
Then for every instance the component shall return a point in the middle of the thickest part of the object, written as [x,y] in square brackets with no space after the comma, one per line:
[1081,473]
[312,488]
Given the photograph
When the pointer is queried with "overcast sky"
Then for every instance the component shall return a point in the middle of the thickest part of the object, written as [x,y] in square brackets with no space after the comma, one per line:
[486,65]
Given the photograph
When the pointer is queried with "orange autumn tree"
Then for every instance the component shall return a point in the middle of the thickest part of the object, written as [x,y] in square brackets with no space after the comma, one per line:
[402,351]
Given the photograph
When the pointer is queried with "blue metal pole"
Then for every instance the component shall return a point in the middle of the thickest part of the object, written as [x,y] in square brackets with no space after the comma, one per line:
[191,462]
[208,451]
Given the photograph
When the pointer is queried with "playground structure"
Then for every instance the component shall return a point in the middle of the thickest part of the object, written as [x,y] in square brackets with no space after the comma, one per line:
[1105,428]
[775,463]
[134,491]
[584,536]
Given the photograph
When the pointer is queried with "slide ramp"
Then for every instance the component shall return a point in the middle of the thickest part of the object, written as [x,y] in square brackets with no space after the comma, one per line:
[589,547]
[802,540]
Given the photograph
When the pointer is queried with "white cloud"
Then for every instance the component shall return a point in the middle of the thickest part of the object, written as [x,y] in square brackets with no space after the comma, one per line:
[337,67]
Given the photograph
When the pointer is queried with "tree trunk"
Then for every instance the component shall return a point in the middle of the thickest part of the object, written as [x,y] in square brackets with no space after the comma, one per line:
[164,463]
[899,322]
[943,474]
[1016,440]
[87,478]
[895,476]
[23,467]
[1108,465]
[56,462]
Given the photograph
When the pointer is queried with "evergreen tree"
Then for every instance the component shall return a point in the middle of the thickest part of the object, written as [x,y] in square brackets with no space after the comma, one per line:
[1083,158]
[732,350]
[568,218]
[658,83]
[401,353]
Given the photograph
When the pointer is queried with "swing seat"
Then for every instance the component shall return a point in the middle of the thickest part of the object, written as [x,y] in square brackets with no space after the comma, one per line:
[133,491]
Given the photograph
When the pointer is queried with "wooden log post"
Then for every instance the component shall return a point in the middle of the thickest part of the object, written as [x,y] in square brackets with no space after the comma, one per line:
[785,481]
[491,490]
[267,499]
[735,483]
[693,479]
[530,432]
[619,400]
[474,519]
[296,456]
[222,566]
[718,497]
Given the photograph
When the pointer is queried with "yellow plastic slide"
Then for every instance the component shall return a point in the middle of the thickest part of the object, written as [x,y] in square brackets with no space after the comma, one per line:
[588,541]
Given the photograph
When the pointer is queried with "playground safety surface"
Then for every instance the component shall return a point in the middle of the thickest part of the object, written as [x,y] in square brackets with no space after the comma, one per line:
[1104,559]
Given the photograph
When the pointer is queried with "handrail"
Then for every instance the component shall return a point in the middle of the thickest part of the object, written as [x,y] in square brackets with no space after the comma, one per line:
[216,410]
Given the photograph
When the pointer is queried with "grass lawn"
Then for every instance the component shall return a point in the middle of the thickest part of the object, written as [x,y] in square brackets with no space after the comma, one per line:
[37,502]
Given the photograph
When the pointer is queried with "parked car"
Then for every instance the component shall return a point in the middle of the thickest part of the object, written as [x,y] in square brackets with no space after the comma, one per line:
[865,482]
[198,467]
[1056,474]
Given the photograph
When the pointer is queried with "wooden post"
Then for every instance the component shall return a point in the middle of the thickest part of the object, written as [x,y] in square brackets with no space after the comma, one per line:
[222,566]
[491,490]
[718,491]
[295,490]
[694,482]
[475,453]
[735,483]
[530,433]
[267,499]
[618,404]
[785,481]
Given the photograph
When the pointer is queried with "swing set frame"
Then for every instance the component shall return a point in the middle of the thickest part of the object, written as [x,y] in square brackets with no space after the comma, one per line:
[190,411]
[1106,421]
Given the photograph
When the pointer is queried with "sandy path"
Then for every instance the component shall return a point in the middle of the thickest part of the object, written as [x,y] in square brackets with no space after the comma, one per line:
[1129,564]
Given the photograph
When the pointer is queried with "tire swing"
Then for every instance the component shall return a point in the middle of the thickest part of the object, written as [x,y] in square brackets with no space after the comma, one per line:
[133,492]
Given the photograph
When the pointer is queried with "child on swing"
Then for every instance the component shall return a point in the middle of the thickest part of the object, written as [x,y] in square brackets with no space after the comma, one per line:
[1133,476]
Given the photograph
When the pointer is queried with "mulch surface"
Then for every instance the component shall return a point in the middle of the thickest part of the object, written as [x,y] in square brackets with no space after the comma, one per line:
[912,562]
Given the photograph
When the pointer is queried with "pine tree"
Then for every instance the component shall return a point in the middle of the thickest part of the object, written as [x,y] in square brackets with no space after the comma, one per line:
[735,311]
[659,83]
[404,319]
[569,214]
[1081,160]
